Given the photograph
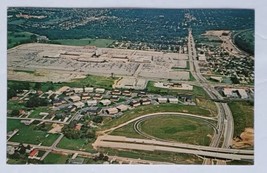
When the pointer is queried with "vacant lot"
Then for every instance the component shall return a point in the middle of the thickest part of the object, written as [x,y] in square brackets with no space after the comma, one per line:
[142,110]
[178,158]
[86,41]
[181,129]
[243,114]
[53,158]
[76,144]
[28,135]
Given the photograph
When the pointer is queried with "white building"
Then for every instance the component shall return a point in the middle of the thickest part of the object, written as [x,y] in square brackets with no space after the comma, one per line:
[78,90]
[242,93]
[91,102]
[105,102]
[173,100]
[79,104]
[75,98]
[228,92]
[122,108]
[162,100]
[89,89]
[99,90]
[112,111]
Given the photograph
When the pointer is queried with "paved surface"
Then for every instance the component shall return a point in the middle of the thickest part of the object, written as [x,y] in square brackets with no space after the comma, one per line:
[121,142]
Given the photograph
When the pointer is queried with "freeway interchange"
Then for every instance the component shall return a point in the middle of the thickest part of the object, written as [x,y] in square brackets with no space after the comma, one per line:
[221,140]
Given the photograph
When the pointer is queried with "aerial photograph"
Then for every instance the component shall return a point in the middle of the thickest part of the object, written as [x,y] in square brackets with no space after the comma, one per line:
[130,86]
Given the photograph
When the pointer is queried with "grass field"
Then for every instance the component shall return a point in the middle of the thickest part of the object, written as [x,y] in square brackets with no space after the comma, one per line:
[76,144]
[94,81]
[14,104]
[180,129]
[142,110]
[177,158]
[128,131]
[243,114]
[28,135]
[53,158]
[86,41]
[37,111]
[207,104]
[15,38]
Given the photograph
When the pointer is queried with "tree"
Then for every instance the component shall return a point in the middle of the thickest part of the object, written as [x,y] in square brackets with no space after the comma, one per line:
[11,93]
[98,119]
[15,113]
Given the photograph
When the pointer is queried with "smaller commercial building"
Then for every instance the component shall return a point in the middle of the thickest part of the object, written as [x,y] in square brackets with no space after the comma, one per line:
[228,92]
[75,98]
[112,111]
[127,93]
[145,101]
[78,90]
[100,90]
[114,98]
[105,102]
[242,93]
[85,96]
[116,92]
[173,100]
[91,102]
[162,100]
[135,103]
[122,108]
[98,97]
[89,89]
[79,104]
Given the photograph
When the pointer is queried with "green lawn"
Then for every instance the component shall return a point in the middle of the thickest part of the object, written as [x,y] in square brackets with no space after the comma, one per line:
[89,80]
[243,114]
[76,144]
[28,135]
[128,131]
[178,158]
[14,104]
[37,111]
[180,129]
[15,38]
[86,41]
[53,158]
[142,110]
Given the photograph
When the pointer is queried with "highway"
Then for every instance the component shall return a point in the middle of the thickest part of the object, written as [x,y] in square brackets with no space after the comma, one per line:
[121,142]
[225,124]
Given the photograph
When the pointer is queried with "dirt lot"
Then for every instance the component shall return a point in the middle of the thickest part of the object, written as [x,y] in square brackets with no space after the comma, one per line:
[246,139]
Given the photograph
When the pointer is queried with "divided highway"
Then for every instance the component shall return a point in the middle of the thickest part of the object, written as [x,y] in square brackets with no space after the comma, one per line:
[225,124]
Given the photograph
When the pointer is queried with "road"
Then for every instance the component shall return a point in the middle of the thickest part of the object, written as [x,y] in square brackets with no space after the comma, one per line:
[155,114]
[87,154]
[121,142]
[225,124]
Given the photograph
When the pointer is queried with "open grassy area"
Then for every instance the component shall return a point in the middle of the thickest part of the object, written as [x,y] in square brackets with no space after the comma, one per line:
[15,38]
[15,104]
[28,135]
[94,81]
[36,112]
[243,114]
[207,104]
[76,144]
[53,158]
[180,129]
[142,110]
[89,80]
[160,156]
[86,41]
[128,131]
